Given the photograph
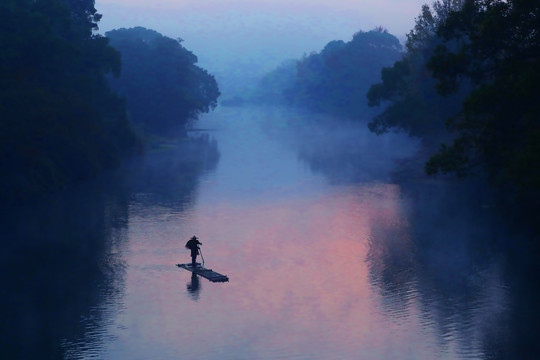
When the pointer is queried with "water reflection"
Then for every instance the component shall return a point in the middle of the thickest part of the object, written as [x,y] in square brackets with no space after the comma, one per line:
[442,259]
[63,273]
[59,263]
[168,176]
[324,266]
[441,262]
[344,151]
[194,287]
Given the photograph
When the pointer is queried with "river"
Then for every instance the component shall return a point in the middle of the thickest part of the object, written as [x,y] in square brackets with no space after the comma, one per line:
[328,255]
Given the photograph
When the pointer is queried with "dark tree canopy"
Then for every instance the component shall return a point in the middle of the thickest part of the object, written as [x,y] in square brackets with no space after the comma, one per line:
[163,87]
[498,127]
[408,88]
[85,14]
[336,79]
[59,122]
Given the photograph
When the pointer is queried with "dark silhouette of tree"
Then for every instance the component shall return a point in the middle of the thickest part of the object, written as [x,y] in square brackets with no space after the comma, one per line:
[59,122]
[163,87]
[498,128]
[408,87]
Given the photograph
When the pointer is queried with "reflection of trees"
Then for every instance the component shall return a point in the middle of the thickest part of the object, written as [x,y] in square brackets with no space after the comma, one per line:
[391,264]
[350,153]
[58,261]
[169,174]
[61,256]
[448,257]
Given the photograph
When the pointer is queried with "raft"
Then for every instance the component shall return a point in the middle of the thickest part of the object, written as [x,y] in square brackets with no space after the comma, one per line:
[204,272]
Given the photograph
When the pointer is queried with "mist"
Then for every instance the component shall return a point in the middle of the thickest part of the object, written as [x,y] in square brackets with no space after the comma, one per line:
[358,190]
[240,41]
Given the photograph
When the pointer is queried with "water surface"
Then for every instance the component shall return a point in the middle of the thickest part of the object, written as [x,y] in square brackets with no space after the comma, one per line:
[328,256]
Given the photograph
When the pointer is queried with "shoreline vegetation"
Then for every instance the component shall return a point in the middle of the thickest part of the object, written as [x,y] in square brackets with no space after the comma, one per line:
[466,85]
[70,99]
[74,104]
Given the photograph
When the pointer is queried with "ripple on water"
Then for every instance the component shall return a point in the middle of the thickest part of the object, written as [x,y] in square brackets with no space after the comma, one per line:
[319,270]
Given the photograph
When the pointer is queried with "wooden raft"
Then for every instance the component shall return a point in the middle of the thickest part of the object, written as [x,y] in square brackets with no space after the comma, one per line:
[205,273]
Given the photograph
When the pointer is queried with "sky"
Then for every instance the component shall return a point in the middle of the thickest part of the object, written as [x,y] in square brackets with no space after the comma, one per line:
[240,40]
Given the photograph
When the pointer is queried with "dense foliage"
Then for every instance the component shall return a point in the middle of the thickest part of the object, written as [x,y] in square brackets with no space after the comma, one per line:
[163,87]
[59,122]
[408,88]
[336,79]
[475,63]
[499,126]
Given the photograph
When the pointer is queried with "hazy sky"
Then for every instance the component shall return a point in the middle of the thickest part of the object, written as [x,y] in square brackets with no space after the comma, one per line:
[240,38]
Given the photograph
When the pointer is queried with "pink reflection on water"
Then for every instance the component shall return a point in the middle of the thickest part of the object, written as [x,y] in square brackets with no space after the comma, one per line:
[300,263]
[299,281]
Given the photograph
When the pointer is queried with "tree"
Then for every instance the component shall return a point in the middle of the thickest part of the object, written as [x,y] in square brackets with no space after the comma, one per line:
[59,121]
[498,128]
[337,79]
[163,87]
[408,88]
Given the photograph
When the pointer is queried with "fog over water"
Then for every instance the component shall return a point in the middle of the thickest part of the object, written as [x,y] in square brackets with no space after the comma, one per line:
[336,245]
[326,260]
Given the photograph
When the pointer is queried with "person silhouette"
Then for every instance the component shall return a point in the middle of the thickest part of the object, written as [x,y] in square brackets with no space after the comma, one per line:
[193,245]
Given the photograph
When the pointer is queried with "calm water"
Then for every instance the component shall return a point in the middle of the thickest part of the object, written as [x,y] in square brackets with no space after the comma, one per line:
[328,256]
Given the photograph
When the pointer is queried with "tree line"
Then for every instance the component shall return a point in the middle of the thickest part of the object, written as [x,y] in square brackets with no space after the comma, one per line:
[466,84]
[163,86]
[471,78]
[334,80]
[69,101]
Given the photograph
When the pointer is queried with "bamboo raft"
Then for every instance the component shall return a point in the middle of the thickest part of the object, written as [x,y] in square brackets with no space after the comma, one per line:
[204,272]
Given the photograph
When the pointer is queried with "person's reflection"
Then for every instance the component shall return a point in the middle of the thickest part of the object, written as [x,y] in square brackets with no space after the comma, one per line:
[194,286]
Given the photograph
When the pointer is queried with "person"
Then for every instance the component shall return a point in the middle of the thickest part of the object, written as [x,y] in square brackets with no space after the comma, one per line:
[193,245]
